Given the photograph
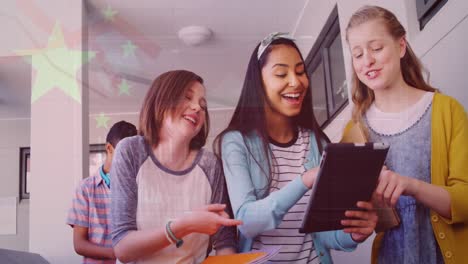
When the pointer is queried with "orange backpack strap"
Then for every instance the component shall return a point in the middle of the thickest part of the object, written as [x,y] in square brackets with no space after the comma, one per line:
[353,133]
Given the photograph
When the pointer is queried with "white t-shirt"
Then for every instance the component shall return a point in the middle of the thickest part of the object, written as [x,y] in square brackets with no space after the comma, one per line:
[393,123]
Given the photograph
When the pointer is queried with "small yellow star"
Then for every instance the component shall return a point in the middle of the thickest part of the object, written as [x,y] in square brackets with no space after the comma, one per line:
[124,87]
[109,13]
[102,120]
[128,49]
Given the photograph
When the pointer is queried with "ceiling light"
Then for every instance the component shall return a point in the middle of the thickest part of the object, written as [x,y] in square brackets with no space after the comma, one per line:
[194,35]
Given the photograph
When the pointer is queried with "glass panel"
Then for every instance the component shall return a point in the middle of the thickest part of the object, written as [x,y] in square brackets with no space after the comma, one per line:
[97,157]
[319,99]
[96,160]
[338,74]
[423,7]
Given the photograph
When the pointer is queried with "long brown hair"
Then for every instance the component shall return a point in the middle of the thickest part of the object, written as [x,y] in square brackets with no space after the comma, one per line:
[162,98]
[411,67]
[249,115]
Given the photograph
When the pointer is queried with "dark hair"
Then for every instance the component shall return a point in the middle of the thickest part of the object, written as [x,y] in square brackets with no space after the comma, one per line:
[119,131]
[411,67]
[249,115]
[164,96]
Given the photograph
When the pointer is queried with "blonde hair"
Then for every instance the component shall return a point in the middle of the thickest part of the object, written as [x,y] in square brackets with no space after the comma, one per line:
[411,67]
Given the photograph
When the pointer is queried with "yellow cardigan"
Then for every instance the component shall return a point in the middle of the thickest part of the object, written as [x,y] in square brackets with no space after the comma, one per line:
[449,169]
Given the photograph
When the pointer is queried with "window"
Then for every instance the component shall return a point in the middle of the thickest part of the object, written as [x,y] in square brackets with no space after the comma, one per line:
[25,172]
[426,9]
[325,65]
[97,156]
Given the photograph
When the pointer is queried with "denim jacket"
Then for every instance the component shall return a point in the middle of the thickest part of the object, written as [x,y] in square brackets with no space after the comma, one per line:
[246,185]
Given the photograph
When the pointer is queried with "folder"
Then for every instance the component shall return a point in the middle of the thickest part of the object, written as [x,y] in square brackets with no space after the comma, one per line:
[253,257]
[234,258]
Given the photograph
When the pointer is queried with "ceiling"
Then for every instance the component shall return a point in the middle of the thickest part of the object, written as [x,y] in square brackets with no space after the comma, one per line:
[151,28]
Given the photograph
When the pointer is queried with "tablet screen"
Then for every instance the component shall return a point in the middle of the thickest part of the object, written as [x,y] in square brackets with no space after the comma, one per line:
[348,174]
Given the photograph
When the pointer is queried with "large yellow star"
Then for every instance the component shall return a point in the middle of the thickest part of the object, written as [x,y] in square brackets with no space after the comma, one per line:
[56,67]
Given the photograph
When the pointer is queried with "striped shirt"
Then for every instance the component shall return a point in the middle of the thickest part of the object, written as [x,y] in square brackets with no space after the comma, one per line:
[289,162]
[91,209]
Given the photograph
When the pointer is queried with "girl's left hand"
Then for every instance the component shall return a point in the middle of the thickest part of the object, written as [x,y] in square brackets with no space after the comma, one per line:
[363,224]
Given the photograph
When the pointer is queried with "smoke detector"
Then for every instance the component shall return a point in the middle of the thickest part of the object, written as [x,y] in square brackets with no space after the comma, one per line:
[194,35]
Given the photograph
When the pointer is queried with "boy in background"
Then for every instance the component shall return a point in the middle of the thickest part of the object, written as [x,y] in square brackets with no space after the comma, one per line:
[89,214]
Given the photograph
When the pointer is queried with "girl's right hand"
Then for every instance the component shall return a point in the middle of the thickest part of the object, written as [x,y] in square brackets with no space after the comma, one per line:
[308,178]
[362,223]
[392,185]
[206,220]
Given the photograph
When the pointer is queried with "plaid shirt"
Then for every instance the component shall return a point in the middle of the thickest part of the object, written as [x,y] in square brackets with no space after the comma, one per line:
[91,209]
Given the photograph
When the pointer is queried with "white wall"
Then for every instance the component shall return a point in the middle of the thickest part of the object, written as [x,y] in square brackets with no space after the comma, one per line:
[13,135]
[59,136]
[448,69]
[442,46]
[219,119]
